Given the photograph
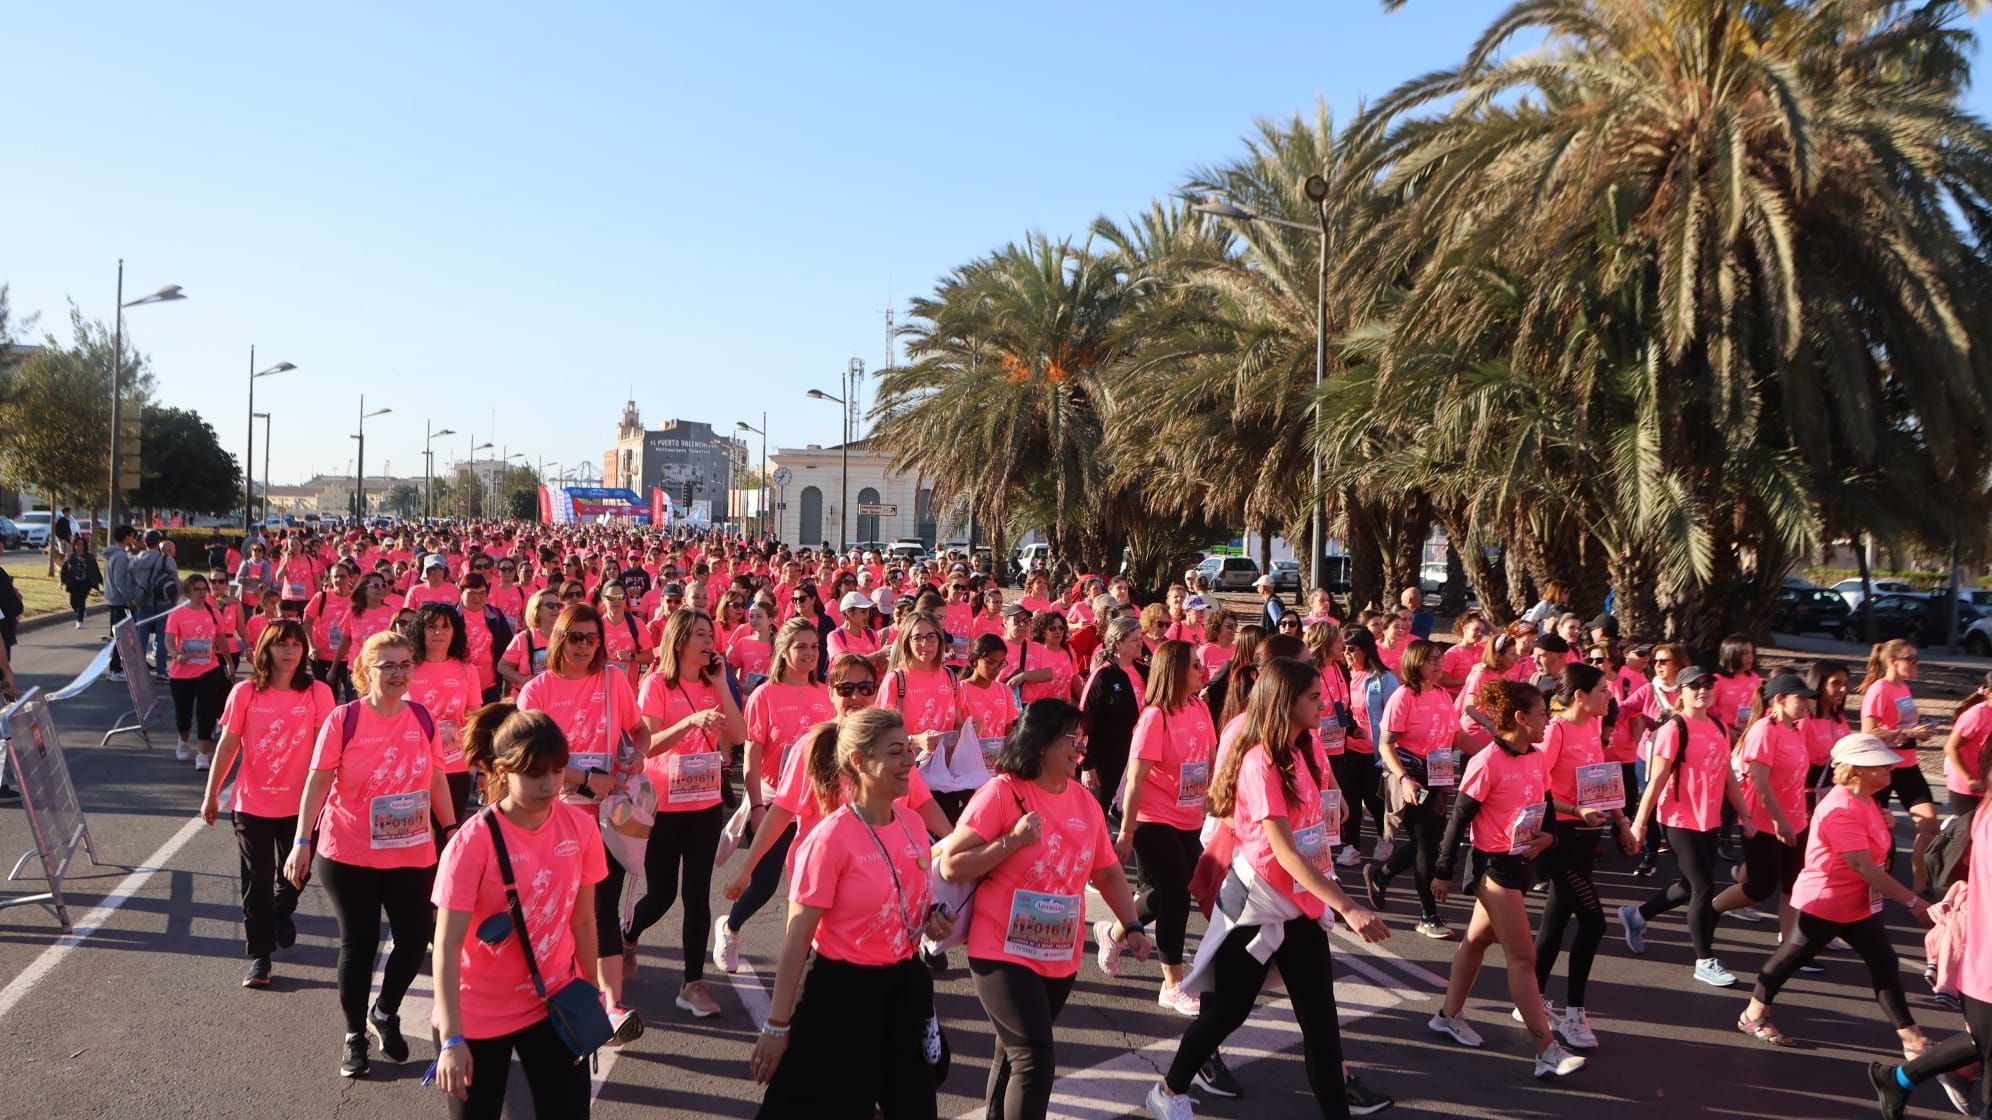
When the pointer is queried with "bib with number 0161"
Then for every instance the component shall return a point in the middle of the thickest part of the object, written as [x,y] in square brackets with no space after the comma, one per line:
[399,820]
[1601,785]
[1043,926]
[1442,768]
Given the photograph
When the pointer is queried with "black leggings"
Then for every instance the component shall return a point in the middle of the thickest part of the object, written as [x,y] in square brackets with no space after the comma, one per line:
[267,895]
[359,894]
[608,906]
[1868,937]
[767,878]
[1567,867]
[1022,1006]
[1303,958]
[559,1085]
[1770,865]
[690,839]
[1357,776]
[856,1045]
[197,702]
[1959,1050]
[1418,849]
[1694,852]
[1168,856]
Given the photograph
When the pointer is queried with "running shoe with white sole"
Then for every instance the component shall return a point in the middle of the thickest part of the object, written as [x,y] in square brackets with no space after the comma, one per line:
[1350,856]
[1215,1078]
[386,1030]
[1888,1092]
[628,1025]
[1435,928]
[725,947]
[694,997]
[353,1057]
[1958,1090]
[1750,914]
[1110,950]
[1363,1100]
[1634,925]
[1183,1003]
[1574,1028]
[258,975]
[1555,1061]
[1710,971]
[1456,1027]
[183,751]
[1548,1010]
[1164,1105]
[200,762]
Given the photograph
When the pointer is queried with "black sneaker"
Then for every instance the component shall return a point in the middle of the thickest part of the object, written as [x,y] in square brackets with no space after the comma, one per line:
[387,1032]
[286,931]
[9,793]
[258,975]
[1894,1099]
[1646,868]
[1374,886]
[1214,1077]
[355,1064]
[1363,1100]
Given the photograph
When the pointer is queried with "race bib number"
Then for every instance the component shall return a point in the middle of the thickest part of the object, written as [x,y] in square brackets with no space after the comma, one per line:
[583,761]
[1331,806]
[293,590]
[1193,784]
[1526,826]
[199,651]
[400,820]
[1742,715]
[539,661]
[692,777]
[1601,785]
[1905,711]
[1442,768]
[335,632]
[1312,842]
[1043,927]
[452,740]
[1332,734]
[992,745]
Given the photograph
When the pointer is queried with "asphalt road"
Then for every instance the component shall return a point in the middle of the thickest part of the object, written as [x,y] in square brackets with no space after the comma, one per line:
[144,1015]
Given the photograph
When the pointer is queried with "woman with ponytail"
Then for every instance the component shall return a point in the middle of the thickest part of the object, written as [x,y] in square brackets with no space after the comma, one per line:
[1888,711]
[854,1044]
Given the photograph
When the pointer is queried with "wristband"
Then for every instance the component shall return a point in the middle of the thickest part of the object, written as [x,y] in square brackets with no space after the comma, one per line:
[302,842]
[453,1040]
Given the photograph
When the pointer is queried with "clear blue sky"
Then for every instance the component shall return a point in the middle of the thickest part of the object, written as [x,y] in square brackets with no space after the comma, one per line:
[460,210]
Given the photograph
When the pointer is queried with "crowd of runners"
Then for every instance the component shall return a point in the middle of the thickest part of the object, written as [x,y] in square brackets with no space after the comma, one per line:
[524,746]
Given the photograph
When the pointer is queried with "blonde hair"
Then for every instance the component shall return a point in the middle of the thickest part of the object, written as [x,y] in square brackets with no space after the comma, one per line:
[785,639]
[902,641]
[832,746]
[362,665]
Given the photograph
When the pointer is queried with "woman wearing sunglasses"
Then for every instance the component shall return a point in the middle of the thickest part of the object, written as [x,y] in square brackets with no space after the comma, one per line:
[625,645]
[779,712]
[804,602]
[525,657]
[1642,713]
[853,1045]
[689,713]
[446,685]
[487,1008]
[370,798]
[506,594]
[370,614]
[1888,711]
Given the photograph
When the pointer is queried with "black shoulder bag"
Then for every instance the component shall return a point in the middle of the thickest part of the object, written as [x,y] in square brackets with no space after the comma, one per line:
[576,1010]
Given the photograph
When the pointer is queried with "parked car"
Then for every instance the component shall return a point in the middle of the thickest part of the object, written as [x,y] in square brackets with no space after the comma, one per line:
[1850,589]
[1978,639]
[1896,615]
[1225,573]
[1286,575]
[907,551]
[1808,609]
[34,528]
[1432,577]
[11,535]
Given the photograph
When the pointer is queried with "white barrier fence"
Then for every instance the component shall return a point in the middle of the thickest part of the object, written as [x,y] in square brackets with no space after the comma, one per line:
[34,754]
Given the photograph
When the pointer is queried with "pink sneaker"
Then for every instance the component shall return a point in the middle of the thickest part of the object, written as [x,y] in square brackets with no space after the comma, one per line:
[1183,1003]
[1110,950]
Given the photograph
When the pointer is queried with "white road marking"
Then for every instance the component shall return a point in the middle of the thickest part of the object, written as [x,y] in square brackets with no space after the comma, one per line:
[41,966]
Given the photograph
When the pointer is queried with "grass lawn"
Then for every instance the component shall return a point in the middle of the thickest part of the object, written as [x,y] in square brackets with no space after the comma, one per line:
[40,591]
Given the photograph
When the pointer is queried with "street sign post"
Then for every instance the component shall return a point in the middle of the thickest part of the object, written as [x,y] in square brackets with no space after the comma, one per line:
[877,509]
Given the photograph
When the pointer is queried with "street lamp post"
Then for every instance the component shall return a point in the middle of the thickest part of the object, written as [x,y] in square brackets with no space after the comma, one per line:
[761,431]
[1316,189]
[360,475]
[853,373]
[167,294]
[471,476]
[264,513]
[249,460]
[429,467]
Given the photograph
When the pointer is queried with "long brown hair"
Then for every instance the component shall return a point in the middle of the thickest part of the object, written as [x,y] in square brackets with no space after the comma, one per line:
[556,643]
[785,640]
[263,661]
[1238,694]
[500,739]
[678,631]
[1269,723]
[1169,686]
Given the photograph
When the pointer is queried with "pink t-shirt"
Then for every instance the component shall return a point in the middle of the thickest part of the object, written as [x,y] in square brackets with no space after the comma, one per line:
[1031,908]
[1891,706]
[515,653]
[864,643]
[1464,700]
[1179,744]
[1259,798]
[1420,721]
[873,911]
[198,630]
[510,601]
[1976,981]
[1393,656]
[777,714]
[422,593]
[326,615]
[1828,888]
[550,866]
[993,707]
[378,813]
[361,625]
[477,645]
[1782,749]
[1972,728]
[1565,747]
[687,776]
[449,690]
[798,796]
[1821,732]
[1510,789]
[1063,671]
[749,654]
[1695,800]
[1734,696]
[277,726]
[1460,660]
[1212,657]
[626,646]
[925,697]
[587,710]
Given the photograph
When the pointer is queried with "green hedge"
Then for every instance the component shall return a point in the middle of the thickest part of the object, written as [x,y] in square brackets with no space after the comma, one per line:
[1924,579]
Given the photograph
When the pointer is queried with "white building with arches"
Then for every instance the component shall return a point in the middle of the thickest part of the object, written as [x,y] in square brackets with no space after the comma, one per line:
[884,504]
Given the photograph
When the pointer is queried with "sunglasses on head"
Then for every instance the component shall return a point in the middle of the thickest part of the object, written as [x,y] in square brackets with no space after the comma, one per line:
[854,688]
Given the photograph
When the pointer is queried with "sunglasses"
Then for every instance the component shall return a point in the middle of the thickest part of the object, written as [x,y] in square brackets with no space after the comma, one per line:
[1594,661]
[854,688]
[584,637]
[1663,661]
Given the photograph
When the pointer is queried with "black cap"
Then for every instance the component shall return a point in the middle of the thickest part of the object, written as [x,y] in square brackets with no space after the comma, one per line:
[1693,674]
[1789,684]
[1553,643]
[1609,623]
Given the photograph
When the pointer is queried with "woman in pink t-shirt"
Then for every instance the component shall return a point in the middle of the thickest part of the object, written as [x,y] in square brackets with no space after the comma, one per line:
[1269,790]
[1214,655]
[373,805]
[986,698]
[751,647]
[1504,801]
[924,690]
[1051,650]
[1964,749]
[270,722]
[525,656]
[488,1006]
[852,1040]
[626,645]
[369,615]
[200,674]
[1460,661]
[1162,813]
[856,615]
[445,683]
[1773,759]
[1889,712]
[1840,893]
[779,713]
[1687,781]
[1421,746]
[690,715]
[1736,683]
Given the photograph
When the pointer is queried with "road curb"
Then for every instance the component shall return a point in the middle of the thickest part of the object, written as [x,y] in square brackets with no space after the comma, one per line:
[36,622]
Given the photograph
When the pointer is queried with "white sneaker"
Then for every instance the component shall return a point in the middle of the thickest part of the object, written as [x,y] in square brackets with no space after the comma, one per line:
[1574,1028]
[1957,1090]
[1456,1027]
[200,762]
[1164,1105]
[1750,914]
[1711,971]
[1382,851]
[1110,950]
[1555,1061]
[1548,1009]
[725,947]
[1183,1003]
[183,751]
[1350,856]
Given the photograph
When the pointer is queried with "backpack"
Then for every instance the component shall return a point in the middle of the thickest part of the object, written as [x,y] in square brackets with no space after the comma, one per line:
[349,719]
[1949,856]
[1674,783]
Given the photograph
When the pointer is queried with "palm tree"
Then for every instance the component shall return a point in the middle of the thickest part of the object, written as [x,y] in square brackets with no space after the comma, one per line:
[1748,237]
